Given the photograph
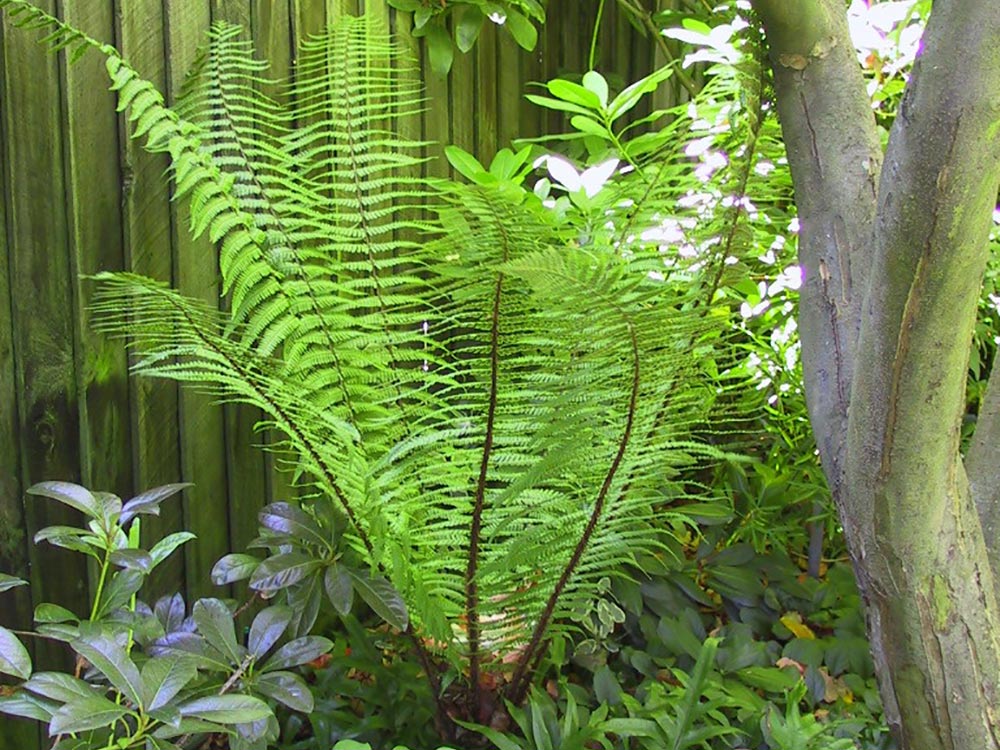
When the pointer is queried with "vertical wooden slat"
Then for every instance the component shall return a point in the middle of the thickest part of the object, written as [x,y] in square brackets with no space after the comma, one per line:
[437,122]
[147,231]
[42,315]
[94,196]
[509,100]
[272,33]
[15,605]
[309,17]
[485,53]
[196,270]
[245,468]
[463,102]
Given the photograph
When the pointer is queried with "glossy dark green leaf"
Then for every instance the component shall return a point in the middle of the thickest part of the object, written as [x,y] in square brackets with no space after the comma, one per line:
[59,686]
[305,598]
[281,571]
[188,726]
[132,559]
[82,714]
[226,709]
[169,610]
[51,613]
[215,623]
[382,597]
[167,715]
[108,654]
[149,501]
[69,537]
[287,688]
[180,643]
[28,706]
[59,631]
[286,518]
[157,743]
[116,594]
[234,567]
[339,589]
[69,494]
[163,678]
[267,627]
[14,659]
[298,652]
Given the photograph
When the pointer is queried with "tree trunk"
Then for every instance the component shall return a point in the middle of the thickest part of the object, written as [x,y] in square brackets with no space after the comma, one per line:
[892,260]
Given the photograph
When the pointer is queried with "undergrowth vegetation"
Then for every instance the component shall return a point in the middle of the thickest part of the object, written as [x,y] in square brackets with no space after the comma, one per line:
[558,485]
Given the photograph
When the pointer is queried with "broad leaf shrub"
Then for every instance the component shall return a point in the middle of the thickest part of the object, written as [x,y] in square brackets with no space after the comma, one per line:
[150,677]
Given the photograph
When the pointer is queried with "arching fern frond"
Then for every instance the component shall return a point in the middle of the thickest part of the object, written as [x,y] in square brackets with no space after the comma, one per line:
[499,398]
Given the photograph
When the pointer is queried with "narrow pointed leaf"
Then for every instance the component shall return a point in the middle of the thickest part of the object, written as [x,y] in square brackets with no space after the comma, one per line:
[287,688]
[8,582]
[215,623]
[226,709]
[382,597]
[298,652]
[162,549]
[69,494]
[234,567]
[110,657]
[267,627]
[149,501]
[93,712]
[164,678]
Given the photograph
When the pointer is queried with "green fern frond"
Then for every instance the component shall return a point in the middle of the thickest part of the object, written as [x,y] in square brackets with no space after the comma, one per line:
[501,400]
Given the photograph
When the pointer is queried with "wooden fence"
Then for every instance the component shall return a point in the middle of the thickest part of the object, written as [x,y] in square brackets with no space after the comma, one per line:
[77,196]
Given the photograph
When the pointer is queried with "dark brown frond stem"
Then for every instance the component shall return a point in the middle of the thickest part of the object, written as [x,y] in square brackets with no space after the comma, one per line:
[327,472]
[444,722]
[471,587]
[522,674]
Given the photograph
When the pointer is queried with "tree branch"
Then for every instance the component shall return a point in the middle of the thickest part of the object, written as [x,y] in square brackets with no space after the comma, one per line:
[982,464]
[834,154]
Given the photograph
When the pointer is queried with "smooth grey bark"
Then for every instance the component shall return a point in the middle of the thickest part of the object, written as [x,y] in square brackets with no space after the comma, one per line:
[893,258]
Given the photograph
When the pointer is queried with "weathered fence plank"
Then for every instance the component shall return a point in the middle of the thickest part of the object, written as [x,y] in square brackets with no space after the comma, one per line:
[147,230]
[15,609]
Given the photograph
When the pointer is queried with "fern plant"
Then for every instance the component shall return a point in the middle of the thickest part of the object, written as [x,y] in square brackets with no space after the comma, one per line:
[493,403]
